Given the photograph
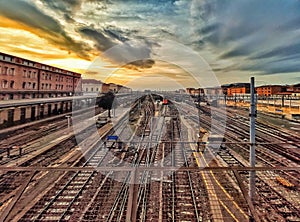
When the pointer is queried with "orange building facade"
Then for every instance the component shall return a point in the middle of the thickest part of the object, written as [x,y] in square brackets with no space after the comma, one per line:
[269,90]
[236,89]
[24,79]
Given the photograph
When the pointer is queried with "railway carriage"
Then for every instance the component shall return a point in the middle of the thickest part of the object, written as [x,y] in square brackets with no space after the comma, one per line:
[165,102]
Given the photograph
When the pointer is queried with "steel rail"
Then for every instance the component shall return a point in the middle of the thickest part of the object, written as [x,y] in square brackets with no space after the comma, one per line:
[145,177]
[71,179]
[236,161]
[260,151]
[190,179]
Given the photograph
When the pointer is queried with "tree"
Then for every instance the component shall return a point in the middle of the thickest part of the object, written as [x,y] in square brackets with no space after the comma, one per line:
[106,102]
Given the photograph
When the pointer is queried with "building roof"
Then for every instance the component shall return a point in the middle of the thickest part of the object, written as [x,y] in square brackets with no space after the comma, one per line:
[263,86]
[21,60]
[91,81]
[296,85]
[237,85]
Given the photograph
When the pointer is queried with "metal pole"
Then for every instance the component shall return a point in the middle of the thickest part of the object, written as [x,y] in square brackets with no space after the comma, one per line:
[252,141]
[69,121]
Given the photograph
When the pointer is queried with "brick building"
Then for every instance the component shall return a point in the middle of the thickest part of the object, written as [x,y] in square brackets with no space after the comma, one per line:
[294,89]
[24,79]
[238,88]
[269,90]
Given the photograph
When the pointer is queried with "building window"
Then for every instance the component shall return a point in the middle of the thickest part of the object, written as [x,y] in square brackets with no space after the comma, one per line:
[23,85]
[97,89]
[42,85]
[12,71]
[4,84]
[8,58]
[24,73]
[33,85]
[12,84]
[5,70]
[29,74]
[86,89]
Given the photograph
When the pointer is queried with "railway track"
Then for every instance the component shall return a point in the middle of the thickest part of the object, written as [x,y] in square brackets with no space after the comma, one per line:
[141,157]
[50,155]
[31,139]
[177,191]
[286,208]
[58,204]
[86,195]
[281,210]
[269,151]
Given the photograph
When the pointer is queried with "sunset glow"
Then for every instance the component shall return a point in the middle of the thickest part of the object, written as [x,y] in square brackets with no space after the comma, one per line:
[73,34]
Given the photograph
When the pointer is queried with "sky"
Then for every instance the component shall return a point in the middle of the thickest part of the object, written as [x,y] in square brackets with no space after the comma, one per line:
[159,44]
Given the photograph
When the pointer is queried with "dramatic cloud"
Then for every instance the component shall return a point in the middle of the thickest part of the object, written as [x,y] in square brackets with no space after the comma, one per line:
[236,37]
[68,6]
[102,42]
[48,27]
[260,35]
